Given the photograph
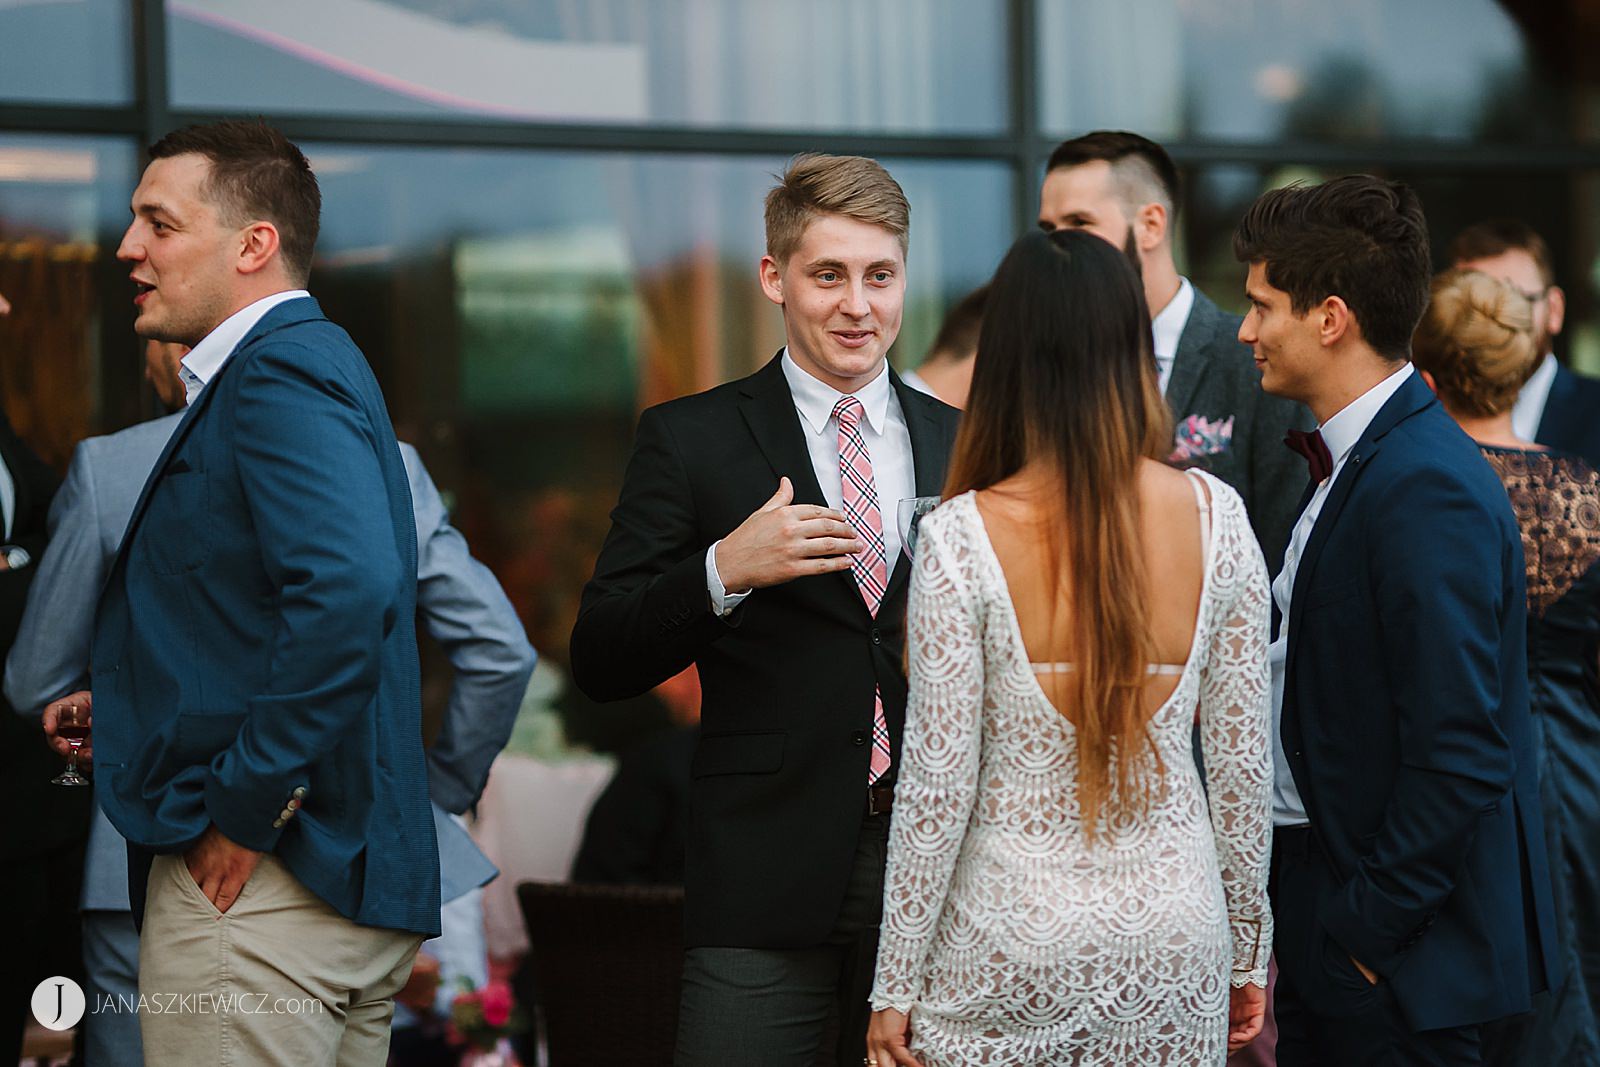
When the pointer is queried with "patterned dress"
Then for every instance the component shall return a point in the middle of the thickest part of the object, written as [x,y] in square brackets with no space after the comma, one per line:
[1008,934]
[1556,498]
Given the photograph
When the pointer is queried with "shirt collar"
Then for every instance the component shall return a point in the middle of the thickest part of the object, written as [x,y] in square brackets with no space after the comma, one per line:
[206,358]
[1167,327]
[1341,432]
[815,399]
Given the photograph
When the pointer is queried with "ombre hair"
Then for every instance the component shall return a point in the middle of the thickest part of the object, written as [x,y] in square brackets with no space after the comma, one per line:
[1066,377]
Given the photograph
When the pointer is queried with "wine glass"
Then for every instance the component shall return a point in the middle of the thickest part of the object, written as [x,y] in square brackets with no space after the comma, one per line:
[908,516]
[72,726]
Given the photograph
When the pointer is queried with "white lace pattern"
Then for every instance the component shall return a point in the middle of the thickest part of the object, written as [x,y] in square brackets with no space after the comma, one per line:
[1008,935]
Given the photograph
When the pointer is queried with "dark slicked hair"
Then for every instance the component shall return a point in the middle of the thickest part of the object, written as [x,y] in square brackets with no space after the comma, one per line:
[1496,237]
[1135,160]
[1360,238]
[257,174]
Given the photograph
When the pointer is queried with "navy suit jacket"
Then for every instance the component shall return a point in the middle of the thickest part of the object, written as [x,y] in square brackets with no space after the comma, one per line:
[1406,725]
[255,643]
[1571,419]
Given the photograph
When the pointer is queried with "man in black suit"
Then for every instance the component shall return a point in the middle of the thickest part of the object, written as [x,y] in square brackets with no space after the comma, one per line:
[41,842]
[1556,407]
[756,537]
[1125,188]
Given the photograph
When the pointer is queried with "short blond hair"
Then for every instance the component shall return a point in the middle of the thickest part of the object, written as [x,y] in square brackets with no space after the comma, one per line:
[1477,341]
[852,186]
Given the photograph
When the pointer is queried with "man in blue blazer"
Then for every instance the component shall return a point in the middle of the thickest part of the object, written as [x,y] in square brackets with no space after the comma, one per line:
[458,599]
[1409,878]
[254,666]
[1556,407]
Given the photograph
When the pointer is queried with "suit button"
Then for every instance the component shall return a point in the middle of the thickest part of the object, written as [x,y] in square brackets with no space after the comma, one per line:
[859,737]
[877,638]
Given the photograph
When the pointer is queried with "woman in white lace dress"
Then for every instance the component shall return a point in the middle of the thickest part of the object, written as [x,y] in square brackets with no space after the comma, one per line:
[1060,890]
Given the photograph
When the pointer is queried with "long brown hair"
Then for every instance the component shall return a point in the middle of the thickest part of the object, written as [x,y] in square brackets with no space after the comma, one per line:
[1066,376]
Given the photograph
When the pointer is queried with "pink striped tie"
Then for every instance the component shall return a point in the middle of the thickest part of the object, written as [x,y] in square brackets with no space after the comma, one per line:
[870,566]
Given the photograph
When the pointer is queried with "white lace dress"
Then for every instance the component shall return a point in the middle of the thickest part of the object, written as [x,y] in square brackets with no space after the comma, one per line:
[1008,935]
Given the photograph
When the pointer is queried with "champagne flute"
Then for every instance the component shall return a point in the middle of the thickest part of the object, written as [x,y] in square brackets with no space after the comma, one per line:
[72,726]
[908,516]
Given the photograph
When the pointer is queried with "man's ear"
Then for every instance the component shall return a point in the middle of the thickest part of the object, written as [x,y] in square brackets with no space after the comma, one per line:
[1555,310]
[771,280]
[1335,322]
[259,247]
[1150,226]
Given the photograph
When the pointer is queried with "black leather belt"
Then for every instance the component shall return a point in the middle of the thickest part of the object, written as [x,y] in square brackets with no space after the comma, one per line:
[880,799]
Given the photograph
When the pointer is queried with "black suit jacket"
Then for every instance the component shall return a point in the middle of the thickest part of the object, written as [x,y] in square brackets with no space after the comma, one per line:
[780,773]
[1407,730]
[1214,379]
[45,816]
[1571,419]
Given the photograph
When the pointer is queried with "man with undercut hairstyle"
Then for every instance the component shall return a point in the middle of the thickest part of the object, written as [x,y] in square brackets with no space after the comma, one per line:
[1125,188]
[757,538]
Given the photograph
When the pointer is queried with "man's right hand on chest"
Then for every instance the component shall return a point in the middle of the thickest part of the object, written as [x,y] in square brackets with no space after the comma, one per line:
[782,541]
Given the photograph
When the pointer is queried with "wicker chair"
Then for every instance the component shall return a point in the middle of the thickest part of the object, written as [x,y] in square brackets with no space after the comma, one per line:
[603,971]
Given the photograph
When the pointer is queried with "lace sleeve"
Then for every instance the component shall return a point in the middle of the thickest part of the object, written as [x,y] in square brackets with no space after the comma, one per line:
[938,765]
[1235,734]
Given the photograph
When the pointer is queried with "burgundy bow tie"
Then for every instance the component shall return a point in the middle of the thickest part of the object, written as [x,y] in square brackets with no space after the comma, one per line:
[1315,449]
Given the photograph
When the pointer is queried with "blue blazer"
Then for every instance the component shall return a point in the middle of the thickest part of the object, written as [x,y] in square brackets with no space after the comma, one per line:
[1406,726]
[254,662]
[1571,419]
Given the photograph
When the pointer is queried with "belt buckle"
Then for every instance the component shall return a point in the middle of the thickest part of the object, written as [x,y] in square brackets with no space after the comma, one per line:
[873,793]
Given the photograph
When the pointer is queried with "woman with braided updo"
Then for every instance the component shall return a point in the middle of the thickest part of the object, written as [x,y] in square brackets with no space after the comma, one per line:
[1476,346]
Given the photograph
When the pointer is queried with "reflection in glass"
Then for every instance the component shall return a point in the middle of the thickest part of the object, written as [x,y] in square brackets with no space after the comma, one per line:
[521,307]
[66,51]
[1248,70]
[63,203]
[824,64]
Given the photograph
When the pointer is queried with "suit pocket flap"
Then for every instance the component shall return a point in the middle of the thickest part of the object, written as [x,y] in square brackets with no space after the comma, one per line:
[202,735]
[759,753]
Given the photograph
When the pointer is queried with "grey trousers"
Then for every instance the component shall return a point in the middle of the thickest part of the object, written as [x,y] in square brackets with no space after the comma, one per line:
[774,1006]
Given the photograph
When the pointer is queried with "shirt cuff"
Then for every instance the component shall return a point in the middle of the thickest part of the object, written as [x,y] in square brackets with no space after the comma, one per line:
[723,602]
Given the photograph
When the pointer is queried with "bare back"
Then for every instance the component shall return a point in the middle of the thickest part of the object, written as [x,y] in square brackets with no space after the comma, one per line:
[1015,516]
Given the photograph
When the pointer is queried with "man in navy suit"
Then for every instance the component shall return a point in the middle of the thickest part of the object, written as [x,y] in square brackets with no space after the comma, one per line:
[1556,407]
[254,667]
[1409,878]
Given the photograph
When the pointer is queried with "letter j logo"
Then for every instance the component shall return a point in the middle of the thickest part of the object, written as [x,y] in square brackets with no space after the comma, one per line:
[58,1003]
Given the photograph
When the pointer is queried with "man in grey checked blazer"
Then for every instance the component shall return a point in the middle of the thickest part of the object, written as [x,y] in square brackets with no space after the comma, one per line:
[1124,188]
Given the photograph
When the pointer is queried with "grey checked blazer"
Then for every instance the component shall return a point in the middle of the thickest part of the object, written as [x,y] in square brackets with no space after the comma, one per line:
[1228,426]
[461,603]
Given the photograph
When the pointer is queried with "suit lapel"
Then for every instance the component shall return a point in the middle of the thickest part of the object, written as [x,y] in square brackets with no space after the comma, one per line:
[769,411]
[930,452]
[1412,396]
[286,314]
[1189,364]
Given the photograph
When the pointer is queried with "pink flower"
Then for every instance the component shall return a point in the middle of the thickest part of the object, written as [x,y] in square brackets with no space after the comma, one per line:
[496,998]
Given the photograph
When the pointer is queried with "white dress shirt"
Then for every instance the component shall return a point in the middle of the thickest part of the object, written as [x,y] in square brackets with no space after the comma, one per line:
[888,443]
[1167,328]
[913,379]
[1340,433]
[206,358]
[1528,411]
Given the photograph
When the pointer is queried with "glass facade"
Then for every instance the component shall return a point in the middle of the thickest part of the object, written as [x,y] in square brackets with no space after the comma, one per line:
[542,215]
